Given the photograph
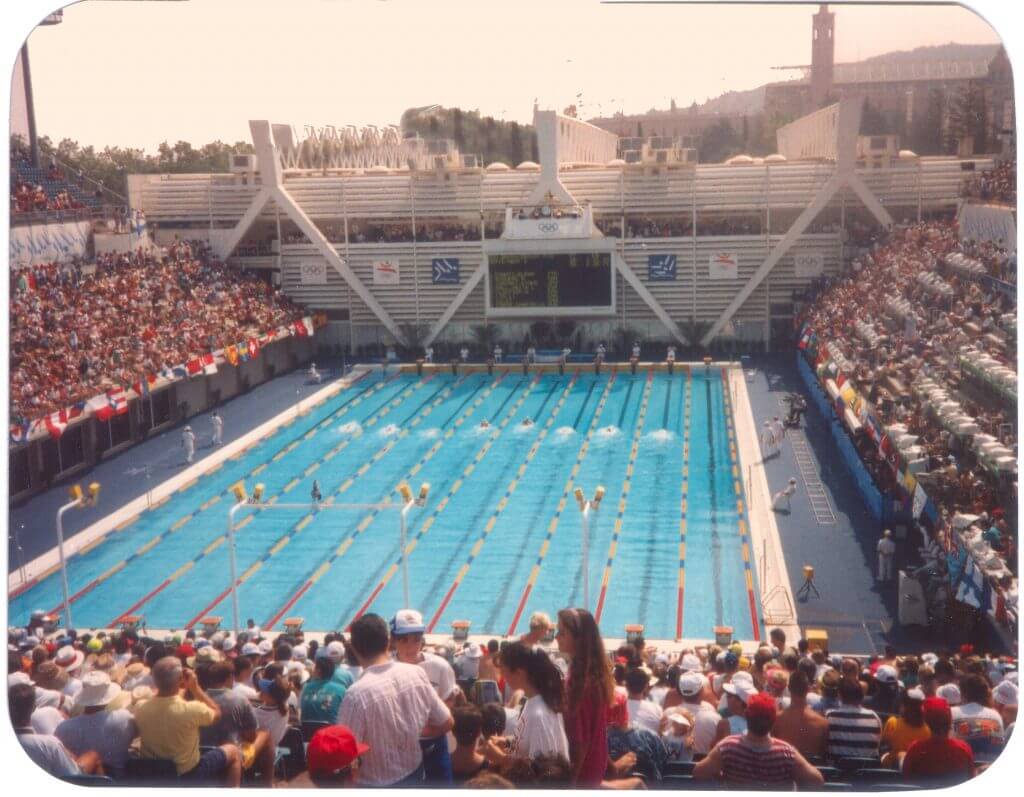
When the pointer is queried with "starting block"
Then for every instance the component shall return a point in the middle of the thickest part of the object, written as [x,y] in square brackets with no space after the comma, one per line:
[131,622]
[634,632]
[460,630]
[210,624]
[723,635]
[293,625]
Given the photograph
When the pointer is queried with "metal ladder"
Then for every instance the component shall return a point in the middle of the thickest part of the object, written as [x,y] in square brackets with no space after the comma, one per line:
[816,494]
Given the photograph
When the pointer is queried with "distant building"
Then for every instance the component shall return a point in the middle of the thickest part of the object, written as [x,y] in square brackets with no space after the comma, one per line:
[903,87]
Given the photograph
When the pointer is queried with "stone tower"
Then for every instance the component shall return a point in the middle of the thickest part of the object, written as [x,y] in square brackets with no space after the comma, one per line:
[823,50]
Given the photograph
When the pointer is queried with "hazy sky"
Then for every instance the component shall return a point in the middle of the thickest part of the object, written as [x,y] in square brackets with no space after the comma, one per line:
[137,73]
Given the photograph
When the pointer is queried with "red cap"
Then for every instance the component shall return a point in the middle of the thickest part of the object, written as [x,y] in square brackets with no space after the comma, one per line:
[184,651]
[936,711]
[333,748]
[966,650]
[761,705]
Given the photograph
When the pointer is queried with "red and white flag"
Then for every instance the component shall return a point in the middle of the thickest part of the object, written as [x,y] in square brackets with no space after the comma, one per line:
[194,367]
[117,404]
[254,348]
[56,423]
[209,364]
[304,327]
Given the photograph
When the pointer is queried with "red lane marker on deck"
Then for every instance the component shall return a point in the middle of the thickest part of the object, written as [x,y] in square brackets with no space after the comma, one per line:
[600,604]
[366,604]
[519,610]
[442,607]
[753,615]
[131,609]
[302,591]
[209,607]
[76,596]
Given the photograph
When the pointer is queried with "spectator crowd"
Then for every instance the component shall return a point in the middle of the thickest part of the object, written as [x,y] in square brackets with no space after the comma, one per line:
[381,707]
[79,329]
[888,355]
[998,183]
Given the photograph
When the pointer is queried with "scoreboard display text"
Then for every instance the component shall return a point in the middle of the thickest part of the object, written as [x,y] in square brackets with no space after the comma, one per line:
[582,279]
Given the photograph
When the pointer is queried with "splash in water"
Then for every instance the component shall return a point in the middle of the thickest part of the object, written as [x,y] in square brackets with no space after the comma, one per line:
[431,434]
[564,432]
[389,430]
[660,436]
[608,431]
[352,427]
[525,428]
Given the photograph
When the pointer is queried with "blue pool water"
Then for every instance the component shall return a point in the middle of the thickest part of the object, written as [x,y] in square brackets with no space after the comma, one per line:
[500,535]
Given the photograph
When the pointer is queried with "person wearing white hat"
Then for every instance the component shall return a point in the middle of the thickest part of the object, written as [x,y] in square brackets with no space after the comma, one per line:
[188,442]
[705,716]
[407,629]
[468,662]
[1004,698]
[108,732]
[392,726]
[783,498]
[950,693]
[679,729]
[886,554]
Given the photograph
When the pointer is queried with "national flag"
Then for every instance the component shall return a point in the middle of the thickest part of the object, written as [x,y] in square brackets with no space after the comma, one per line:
[920,499]
[209,364]
[243,351]
[167,373]
[76,410]
[19,432]
[303,327]
[97,403]
[56,423]
[231,354]
[195,367]
[141,387]
[840,379]
[117,404]
[179,372]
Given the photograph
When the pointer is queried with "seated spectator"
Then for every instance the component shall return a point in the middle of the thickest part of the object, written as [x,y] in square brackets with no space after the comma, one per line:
[975,721]
[853,731]
[332,759]
[100,728]
[467,761]
[169,727]
[237,724]
[46,751]
[272,710]
[632,749]
[691,687]
[322,694]
[388,707]
[1004,699]
[798,724]
[903,730]
[940,755]
[642,711]
[755,758]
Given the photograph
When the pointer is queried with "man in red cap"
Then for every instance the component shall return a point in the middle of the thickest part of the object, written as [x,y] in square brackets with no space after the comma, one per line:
[332,758]
[755,758]
[939,756]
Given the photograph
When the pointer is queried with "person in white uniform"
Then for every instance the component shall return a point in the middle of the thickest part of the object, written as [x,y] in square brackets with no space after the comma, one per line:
[886,553]
[671,355]
[188,442]
[218,429]
[429,357]
[783,496]
[464,354]
[778,430]
[636,350]
[314,375]
[768,439]
[497,354]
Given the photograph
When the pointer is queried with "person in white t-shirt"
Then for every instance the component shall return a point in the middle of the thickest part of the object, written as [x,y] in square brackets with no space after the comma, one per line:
[643,712]
[705,716]
[540,729]
[975,721]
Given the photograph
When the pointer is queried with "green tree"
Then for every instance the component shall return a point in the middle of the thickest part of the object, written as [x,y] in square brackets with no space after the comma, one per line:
[968,117]
[718,142]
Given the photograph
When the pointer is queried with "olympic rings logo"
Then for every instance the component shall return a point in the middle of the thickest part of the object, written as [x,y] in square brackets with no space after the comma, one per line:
[548,227]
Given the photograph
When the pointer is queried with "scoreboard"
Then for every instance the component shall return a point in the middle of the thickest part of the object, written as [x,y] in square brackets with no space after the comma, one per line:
[544,283]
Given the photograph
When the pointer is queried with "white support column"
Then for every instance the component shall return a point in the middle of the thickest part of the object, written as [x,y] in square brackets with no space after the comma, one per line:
[456,303]
[870,200]
[248,219]
[821,199]
[634,281]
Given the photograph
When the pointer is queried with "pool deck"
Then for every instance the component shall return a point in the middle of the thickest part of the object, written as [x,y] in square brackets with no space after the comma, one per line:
[857,614]
[145,474]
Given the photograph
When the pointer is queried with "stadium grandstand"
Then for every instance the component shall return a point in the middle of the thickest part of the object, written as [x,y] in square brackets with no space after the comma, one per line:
[757,420]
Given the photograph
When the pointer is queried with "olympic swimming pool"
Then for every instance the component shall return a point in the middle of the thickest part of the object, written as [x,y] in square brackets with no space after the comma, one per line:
[500,535]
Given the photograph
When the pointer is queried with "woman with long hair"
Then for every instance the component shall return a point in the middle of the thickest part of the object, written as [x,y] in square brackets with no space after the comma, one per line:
[589,694]
[906,728]
[540,729]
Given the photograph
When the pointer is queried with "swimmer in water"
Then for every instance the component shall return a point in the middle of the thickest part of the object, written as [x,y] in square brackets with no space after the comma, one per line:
[528,422]
[485,424]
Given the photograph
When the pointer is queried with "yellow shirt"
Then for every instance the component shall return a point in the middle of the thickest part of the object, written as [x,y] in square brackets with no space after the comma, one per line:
[900,734]
[169,728]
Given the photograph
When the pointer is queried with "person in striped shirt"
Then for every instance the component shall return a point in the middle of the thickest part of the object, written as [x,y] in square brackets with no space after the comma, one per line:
[853,731]
[755,758]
